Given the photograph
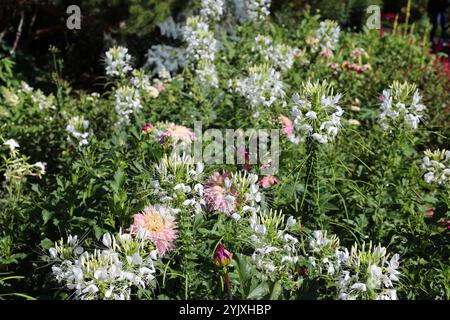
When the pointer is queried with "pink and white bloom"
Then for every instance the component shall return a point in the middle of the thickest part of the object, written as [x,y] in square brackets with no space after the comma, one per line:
[158,225]
[220,194]
[268,181]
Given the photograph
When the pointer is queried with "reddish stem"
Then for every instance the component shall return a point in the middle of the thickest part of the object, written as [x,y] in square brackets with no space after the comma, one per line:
[228,285]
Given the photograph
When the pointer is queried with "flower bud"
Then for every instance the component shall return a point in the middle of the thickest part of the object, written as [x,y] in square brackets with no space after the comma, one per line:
[222,257]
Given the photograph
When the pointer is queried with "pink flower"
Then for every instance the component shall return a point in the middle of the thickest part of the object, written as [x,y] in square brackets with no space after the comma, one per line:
[158,225]
[219,193]
[161,87]
[288,125]
[177,134]
[430,213]
[268,181]
[222,257]
[148,128]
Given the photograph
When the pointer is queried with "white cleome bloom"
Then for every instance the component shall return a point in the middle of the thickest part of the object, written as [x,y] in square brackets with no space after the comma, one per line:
[317,113]
[436,166]
[401,105]
[11,144]
[262,88]
[118,62]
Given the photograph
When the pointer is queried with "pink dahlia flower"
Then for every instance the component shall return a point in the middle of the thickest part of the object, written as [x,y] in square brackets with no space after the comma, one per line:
[159,225]
[219,193]
[177,134]
[268,181]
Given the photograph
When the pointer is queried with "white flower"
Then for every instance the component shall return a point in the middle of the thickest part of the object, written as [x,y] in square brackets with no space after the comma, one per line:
[394,111]
[107,240]
[40,166]
[359,286]
[236,216]
[318,120]
[77,129]
[290,222]
[251,10]
[278,54]
[437,167]
[11,143]
[328,35]
[211,9]
[118,61]
[53,253]
[262,88]
[128,101]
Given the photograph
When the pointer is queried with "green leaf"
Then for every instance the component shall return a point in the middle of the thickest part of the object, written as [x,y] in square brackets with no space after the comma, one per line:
[46,215]
[47,243]
[259,292]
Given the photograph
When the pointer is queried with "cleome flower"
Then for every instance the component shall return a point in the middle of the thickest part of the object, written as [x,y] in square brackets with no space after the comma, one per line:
[11,144]
[275,250]
[211,9]
[252,10]
[262,88]
[220,194]
[280,55]
[401,104]
[326,38]
[128,101]
[201,44]
[113,273]
[364,273]
[437,167]
[232,193]
[118,62]
[77,129]
[158,225]
[316,111]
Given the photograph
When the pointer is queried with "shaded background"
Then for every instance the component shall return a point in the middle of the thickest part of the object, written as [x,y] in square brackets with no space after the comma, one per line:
[131,23]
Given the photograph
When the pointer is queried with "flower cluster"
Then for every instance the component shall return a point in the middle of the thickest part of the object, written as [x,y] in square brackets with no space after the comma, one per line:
[252,10]
[327,36]
[401,104]
[358,61]
[37,97]
[263,86]
[232,193]
[78,130]
[316,113]
[363,273]
[172,135]
[17,168]
[113,273]
[200,40]
[178,183]
[158,225]
[140,80]
[437,167]
[202,49]
[276,251]
[211,9]
[280,55]
[128,101]
[118,62]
